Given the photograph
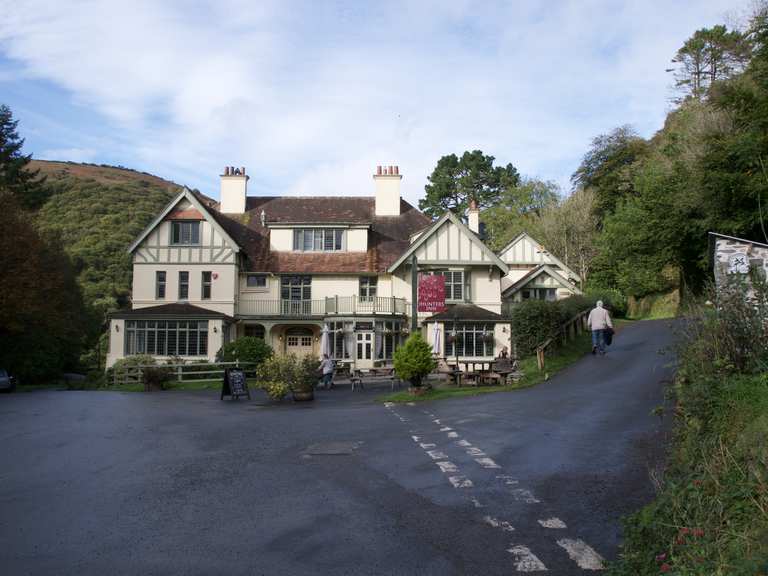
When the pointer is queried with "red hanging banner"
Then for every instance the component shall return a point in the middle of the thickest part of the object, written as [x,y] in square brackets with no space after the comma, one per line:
[431,293]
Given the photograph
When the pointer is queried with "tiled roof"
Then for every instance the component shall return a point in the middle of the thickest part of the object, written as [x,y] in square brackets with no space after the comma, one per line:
[387,237]
[465,312]
[172,310]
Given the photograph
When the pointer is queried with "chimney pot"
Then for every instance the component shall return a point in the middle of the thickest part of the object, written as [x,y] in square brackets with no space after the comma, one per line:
[226,170]
[378,170]
[397,169]
[242,170]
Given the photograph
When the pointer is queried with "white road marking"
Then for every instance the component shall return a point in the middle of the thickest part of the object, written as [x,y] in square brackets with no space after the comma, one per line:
[523,495]
[476,502]
[416,438]
[583,555]
[496,523]
[410,404]
[487,463]
[525,561]
[475,452]
[427,446]
[463,443]
[446,429]
[460,481]
[388,404]
[447,466]
[508,480]
[437,455]
[453,435]
[552,523]
[436,421]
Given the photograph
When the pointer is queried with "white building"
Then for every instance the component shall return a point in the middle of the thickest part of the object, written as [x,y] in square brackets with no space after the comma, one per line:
[281,268]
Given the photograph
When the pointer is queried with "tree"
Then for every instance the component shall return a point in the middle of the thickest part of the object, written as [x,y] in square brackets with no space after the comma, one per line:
[516,207]
[455,181]
[569,229]
[15,177]
[711,54]
[608,167]
[41,312]
[413,361]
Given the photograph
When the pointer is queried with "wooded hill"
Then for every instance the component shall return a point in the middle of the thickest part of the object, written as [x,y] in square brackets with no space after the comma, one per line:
[94,212]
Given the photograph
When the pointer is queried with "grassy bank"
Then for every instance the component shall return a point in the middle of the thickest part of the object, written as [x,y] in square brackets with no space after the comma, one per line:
[561,358]
[710,517]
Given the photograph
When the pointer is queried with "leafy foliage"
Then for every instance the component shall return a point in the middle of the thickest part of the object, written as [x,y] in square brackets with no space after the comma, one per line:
[710,517]
[533,322]
[413,361]
[288,372]
[42,319]
[245,349]
[455,181]
[15,175]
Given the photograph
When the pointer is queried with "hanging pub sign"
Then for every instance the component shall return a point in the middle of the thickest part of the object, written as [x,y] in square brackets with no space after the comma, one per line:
[431,293]
[234,384]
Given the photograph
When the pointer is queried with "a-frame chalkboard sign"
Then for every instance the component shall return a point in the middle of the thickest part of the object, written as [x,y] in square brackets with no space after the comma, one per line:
[234,384]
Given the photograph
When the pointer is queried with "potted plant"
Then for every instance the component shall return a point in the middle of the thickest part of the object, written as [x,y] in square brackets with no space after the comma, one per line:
[413,361]
[303,378]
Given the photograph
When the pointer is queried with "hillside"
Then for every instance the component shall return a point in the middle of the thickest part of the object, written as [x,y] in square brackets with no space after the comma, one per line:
[95,212]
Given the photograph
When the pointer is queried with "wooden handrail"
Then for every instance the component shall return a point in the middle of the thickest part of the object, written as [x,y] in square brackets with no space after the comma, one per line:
[565,329]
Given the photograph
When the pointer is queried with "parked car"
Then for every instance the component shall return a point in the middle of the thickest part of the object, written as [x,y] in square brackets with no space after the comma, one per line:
[7,382]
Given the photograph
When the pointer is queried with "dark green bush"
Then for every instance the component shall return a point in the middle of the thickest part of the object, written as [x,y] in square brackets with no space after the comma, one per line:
[156,376]
[533,321]
[613,300]
[414,360]
[245,349]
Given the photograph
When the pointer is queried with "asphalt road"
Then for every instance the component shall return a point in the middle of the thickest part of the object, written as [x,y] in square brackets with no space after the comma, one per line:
[182,483]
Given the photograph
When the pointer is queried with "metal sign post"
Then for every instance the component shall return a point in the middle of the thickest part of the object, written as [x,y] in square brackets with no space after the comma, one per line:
[414,294]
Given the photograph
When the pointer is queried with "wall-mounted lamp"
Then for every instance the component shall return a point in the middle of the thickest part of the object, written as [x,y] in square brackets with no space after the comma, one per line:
[117,327]
[504,329]
[215,329]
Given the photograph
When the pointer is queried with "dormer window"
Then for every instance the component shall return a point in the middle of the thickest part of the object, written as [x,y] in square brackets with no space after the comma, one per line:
[318,239]
[185,233]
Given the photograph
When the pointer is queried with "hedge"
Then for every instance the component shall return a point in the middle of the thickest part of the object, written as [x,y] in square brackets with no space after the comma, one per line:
[534,321]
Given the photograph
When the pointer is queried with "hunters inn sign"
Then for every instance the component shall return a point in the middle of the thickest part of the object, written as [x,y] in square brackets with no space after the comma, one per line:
[431,293]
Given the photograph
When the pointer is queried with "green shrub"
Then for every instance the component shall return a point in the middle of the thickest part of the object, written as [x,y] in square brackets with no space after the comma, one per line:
[533,322]
[299,374]
[613,300]
[710,517]
[275,390]
[414,360]
[156,376]
[245,349]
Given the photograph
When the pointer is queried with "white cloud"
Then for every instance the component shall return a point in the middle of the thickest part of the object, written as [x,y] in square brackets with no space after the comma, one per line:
[311,96]
[68,154]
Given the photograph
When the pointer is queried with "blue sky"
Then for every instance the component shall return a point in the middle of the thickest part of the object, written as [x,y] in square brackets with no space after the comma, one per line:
[311,96]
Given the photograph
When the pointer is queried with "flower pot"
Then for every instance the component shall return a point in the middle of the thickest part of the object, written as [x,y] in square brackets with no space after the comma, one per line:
[303,395]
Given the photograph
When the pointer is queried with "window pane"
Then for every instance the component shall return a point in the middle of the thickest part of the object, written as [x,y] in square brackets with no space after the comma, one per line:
[318,240]
[195,226]
[308,240]
[202,349]
[339,234]
[172,341]
[192,347]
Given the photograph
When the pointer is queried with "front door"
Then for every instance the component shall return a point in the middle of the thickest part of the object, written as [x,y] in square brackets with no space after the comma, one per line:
[298,344]
[365,350]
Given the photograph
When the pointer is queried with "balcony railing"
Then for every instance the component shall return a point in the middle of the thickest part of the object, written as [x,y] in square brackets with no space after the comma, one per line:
[334,305]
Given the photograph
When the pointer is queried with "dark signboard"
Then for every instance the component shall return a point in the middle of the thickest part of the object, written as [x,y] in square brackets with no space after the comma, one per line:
[431,293]
[234,384]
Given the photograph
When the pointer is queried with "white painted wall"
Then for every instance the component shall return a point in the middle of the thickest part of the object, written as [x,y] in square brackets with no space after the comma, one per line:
[387,194]
[234,190]
[116,341]
[356,239]
[222,288]
[281,239]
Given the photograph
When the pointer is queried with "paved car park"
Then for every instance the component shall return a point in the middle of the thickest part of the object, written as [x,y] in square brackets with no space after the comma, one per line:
[183,483]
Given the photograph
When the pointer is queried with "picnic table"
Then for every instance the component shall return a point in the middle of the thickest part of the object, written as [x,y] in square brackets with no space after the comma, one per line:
[386,374]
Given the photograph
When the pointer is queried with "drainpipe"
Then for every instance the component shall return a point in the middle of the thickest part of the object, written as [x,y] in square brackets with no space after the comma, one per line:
[414,294]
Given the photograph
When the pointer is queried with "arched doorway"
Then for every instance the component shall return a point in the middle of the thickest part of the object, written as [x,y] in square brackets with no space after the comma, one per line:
[298,341]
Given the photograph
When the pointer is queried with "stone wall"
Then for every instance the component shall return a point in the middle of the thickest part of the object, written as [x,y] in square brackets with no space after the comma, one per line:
[733,256]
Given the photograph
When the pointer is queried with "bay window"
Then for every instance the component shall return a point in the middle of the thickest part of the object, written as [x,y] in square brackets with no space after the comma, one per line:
[166,337]
[469,339]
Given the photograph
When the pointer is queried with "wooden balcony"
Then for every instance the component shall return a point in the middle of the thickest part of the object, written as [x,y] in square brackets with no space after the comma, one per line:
[332,306]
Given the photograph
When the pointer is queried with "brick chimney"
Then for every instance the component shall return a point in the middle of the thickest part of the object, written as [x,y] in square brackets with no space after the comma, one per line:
[234,189]
[473,217]
[387,180]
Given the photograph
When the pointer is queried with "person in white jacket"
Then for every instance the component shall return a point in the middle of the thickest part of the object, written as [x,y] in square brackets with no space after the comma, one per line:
[599,321]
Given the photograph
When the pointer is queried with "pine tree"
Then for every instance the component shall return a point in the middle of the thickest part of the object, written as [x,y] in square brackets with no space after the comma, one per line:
[15,177]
